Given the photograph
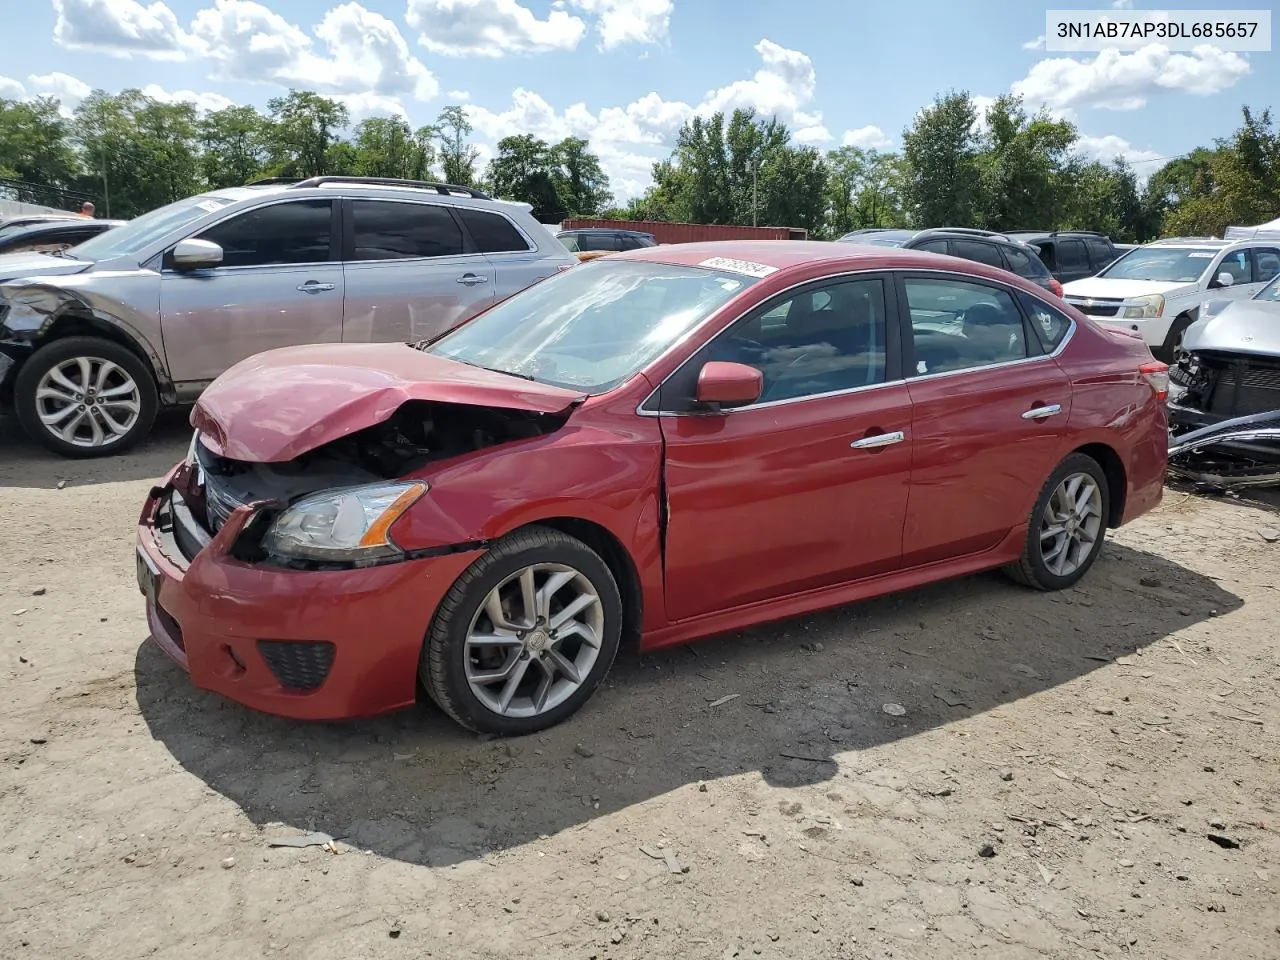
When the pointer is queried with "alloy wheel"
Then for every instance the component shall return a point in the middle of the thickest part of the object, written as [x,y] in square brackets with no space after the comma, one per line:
[534,640]
[1071,524]
[88,401]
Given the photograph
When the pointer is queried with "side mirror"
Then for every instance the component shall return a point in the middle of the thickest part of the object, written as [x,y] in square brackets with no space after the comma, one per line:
[722,384]
[193,254]
[1223,279]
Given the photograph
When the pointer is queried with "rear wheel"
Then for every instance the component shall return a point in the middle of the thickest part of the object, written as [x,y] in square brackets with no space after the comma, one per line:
[85,397]
[1066,527]
[1167,352]
[525,635]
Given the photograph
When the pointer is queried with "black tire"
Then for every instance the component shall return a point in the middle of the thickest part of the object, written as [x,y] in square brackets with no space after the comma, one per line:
[60,351]
[1167,352]
[1031,570]
[442,666]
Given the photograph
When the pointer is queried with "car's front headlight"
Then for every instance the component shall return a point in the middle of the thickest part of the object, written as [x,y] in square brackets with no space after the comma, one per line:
[349,525]
[1144,308]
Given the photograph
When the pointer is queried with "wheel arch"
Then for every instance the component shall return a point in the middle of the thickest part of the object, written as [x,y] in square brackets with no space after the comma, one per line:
[616,557]
[1117,478]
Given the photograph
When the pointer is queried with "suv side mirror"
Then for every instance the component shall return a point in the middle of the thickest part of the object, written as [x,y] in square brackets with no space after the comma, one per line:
[1223,279]
[192,254]
[722,384]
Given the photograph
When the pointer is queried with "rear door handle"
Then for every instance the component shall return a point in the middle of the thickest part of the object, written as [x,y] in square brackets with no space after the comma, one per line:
[314,286]
[471,279]
[1039,413]
[879,440]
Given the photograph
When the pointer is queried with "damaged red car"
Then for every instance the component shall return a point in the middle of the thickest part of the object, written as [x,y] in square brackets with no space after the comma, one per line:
[660,445]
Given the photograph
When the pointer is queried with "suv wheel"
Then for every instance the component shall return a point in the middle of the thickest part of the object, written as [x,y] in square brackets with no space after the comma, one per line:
[85,397]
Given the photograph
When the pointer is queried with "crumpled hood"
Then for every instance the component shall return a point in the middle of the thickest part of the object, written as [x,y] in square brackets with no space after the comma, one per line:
[279,404]
[19,266]
[1120,289]
[1245,326]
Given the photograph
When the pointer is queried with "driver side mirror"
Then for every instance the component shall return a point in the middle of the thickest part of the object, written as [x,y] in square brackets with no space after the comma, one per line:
[192,254]
[1223,279]
[722,385]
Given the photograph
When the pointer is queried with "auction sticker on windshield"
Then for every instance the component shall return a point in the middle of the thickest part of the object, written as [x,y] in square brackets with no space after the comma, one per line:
[1199,255]
[748,267]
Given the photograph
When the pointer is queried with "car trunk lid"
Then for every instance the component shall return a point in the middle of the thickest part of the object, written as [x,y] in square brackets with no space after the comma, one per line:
[280,404]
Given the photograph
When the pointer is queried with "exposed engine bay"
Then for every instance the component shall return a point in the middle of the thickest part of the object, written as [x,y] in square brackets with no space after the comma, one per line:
[418,433]
[1224,421]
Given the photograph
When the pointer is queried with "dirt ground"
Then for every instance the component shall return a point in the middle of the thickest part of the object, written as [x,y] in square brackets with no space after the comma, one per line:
[1054,787]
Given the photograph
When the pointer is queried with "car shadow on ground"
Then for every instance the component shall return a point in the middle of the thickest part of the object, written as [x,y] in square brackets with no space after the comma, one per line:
[24,463]
[809,694]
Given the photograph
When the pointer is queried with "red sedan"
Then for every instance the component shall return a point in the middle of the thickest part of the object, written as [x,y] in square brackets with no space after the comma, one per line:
[660,445]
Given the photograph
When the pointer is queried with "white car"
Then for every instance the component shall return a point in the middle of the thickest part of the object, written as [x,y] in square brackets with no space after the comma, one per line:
[1158,289]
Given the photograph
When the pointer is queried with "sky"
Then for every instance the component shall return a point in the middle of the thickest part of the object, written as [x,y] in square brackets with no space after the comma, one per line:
[626,73]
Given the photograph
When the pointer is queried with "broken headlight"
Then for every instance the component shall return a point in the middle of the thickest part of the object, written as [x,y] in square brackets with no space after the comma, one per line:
[349,525]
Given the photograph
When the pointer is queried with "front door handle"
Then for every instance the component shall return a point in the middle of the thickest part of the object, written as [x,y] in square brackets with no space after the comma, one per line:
[879,440]
[471,279]
[314,286]
[1039,413]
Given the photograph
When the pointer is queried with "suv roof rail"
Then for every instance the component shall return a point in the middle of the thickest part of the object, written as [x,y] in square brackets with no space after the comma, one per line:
[968,231]
[445,189]
[270,181]
[1181,239]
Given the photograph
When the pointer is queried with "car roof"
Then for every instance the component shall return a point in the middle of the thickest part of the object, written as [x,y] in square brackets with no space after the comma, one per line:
[1191,242]
[638,233]
[58,226]
[785,255]
[375,190]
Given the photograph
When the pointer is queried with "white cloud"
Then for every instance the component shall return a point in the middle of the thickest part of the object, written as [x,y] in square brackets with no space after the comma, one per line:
[457,96]
[69,90]
[11,89]
[1036,44]
[1122,4]
[781,87]
[201,101]
[812,136]
[869,137]
[490,28]
[121,28]
[1123,81]
[1108,148]
[628,21]
[365,56]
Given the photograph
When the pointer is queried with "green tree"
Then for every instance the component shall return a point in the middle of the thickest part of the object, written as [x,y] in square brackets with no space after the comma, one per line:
[168,142]
[1024,175]
[457,156]
[235,145]
[941,185]
[522,170]
[387,147]
[862,190]
[793,185]
[35,147]
[1243,182]
[580,181]
[304,128]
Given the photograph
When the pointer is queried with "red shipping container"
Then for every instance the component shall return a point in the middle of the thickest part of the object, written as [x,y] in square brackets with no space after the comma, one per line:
[691,232]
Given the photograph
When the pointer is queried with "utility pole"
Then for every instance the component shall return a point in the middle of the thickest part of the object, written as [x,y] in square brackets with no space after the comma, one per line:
[755,170]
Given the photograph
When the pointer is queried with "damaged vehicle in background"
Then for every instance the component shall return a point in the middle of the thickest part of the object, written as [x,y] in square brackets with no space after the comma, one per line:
[1224,414]
[649,448]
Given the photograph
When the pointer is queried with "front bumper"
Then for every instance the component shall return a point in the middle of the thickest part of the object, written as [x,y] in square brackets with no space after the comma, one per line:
[311,645]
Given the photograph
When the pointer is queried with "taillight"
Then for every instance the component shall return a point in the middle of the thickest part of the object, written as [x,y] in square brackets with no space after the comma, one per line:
[1157,376]
[1055,286]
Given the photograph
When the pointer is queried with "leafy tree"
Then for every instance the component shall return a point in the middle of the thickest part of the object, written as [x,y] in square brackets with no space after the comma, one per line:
[862,190]
[580,181]
[941,183]
[304,128]
[457,156]
[522,171]
[235,145]
[1024,175]
[387,147]
[35,146]
[1243,182]
[793,183]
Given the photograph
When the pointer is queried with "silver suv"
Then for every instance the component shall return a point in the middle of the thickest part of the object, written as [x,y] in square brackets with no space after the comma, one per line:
[95,339]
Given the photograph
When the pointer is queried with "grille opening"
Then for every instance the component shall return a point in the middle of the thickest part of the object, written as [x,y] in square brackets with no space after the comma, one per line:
[171,626]
[300,666]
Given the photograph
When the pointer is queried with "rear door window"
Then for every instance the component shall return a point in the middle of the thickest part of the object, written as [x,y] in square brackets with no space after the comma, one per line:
[933,246]
[1100,252]
[599,241]
[393,230]
[960,325]
[1024,263]
[492,232]
[1071,256]
[1049,324]
[1266,264]
[978,252]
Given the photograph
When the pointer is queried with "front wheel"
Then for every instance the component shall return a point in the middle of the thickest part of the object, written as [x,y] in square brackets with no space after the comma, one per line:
[525,635]
[85,397]
[1066,527]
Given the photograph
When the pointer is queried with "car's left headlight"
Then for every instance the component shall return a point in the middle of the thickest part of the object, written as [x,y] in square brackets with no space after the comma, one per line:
[348,525]
[1144,308]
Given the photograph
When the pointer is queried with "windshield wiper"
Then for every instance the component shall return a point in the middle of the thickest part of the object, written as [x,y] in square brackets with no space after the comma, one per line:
[508,373]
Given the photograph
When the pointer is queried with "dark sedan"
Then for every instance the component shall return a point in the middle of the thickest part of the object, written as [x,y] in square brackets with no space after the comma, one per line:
[53,235]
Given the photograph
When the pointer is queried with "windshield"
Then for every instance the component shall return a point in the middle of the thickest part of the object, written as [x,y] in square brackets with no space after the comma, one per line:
[1270,292]
[142,232]
[1168,264]
[593,326]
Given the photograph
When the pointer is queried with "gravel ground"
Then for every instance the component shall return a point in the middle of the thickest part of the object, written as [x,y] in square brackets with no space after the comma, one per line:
[1087,773]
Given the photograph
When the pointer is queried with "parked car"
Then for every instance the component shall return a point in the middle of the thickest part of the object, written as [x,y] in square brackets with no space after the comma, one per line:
[148,314]
[19,221]
[53,236]
[1158,289]
[1069,254]
[980,246]
[1227,412]
[656,446]
[588,243]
